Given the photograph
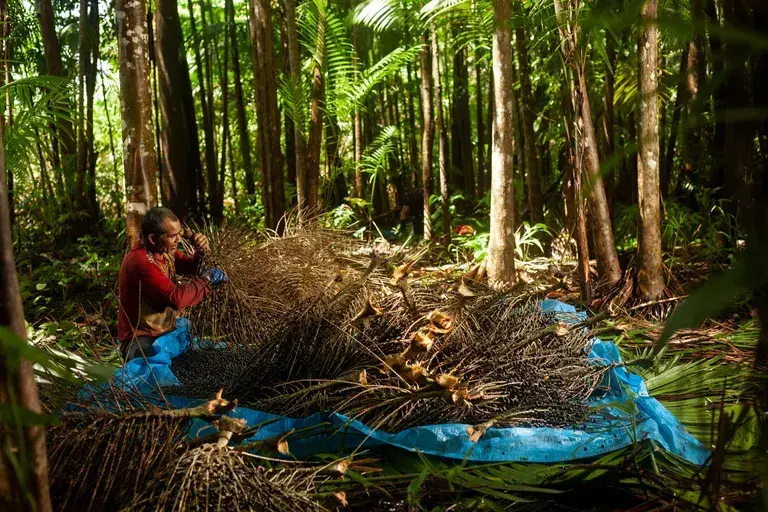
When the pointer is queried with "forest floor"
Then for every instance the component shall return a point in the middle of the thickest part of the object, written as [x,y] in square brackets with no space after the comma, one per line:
[704,377]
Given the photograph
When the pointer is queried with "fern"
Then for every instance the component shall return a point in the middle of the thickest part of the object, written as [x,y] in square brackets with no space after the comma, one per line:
[376,155]
[42,109]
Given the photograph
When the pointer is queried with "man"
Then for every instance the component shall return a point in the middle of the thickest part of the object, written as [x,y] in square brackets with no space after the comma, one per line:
[413,210]
[149,293]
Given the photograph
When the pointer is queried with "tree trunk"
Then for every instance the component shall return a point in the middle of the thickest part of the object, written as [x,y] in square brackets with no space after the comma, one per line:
[739,135]
[302,182]
[314,144]
[210,155]
[217,203]
[650,279]
[136,111]
[175,150]
[82,145]
[268,115]
[427,131]
[48,195]
[501,244]
[480,127]
[576,208]
[232,175]
[17,385]
[194,172]
[357,121]
[533,173]
[462,125]
[681,98]
[413,143]
[90,90]
[489,124]
[608,115]
[242,122]
[337,182]
[118,185]
[5,116]
[211,149]
[442,142]
[605,249]
[53,65]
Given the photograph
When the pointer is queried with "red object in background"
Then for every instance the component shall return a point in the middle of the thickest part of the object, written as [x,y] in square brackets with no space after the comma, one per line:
[464,230]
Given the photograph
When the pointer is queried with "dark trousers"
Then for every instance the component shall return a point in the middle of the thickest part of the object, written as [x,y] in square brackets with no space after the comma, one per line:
[138,347]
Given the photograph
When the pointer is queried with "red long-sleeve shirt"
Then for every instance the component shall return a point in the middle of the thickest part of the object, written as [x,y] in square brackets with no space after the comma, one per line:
[149,295]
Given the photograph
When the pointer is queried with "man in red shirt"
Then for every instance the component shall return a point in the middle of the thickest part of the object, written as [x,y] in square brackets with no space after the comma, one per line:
[150,295]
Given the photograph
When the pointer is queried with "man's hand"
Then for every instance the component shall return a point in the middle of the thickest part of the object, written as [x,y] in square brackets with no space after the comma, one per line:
[200,243]
[215,276]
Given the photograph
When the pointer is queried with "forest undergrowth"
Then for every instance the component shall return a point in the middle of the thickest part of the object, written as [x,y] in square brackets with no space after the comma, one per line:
[704,376]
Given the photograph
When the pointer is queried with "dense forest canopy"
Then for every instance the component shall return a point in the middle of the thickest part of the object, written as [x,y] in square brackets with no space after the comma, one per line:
[628,137]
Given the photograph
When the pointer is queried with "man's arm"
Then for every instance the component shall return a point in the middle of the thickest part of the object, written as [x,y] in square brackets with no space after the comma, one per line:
[187,264]
[160,288]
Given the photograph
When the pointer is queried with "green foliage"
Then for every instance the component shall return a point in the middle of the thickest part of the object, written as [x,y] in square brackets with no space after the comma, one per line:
[376,155]
[341,217]
[475,247]
[42,108]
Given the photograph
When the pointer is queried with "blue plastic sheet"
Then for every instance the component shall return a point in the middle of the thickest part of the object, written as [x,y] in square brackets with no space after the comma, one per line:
[632,415]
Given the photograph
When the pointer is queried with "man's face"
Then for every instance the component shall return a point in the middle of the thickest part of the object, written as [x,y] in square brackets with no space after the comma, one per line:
[169,240]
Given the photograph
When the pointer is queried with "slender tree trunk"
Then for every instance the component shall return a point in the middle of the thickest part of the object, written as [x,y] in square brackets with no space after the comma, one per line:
[442,137]
[357,121]
[608,115]
[48,195]
[211,149]
[479,120]
[501,244]
[171,67]
[210,155]
[489,115]
[302,182]
[317,107]
[269,119]
[575,203]
[650,279]
[427,131]
[605,249]
[82,145]
[17,386]
[681,99]
[5,116]
[739,134]
[290,129]
[194,172]
[90,89]
[337,182]
[53,64]
[692,148]
[136,111]
[461,124]
[116,172]
[242,122]
[217,206]
[535,197]
[232,174]
[413,145]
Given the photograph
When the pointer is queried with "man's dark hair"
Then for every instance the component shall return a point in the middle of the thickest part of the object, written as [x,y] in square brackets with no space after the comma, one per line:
[154,221]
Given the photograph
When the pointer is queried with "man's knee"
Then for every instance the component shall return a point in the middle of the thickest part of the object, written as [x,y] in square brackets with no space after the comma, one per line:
[140,346]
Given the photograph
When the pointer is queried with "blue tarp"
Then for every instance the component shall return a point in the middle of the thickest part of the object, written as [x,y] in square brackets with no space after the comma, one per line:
[632,415]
